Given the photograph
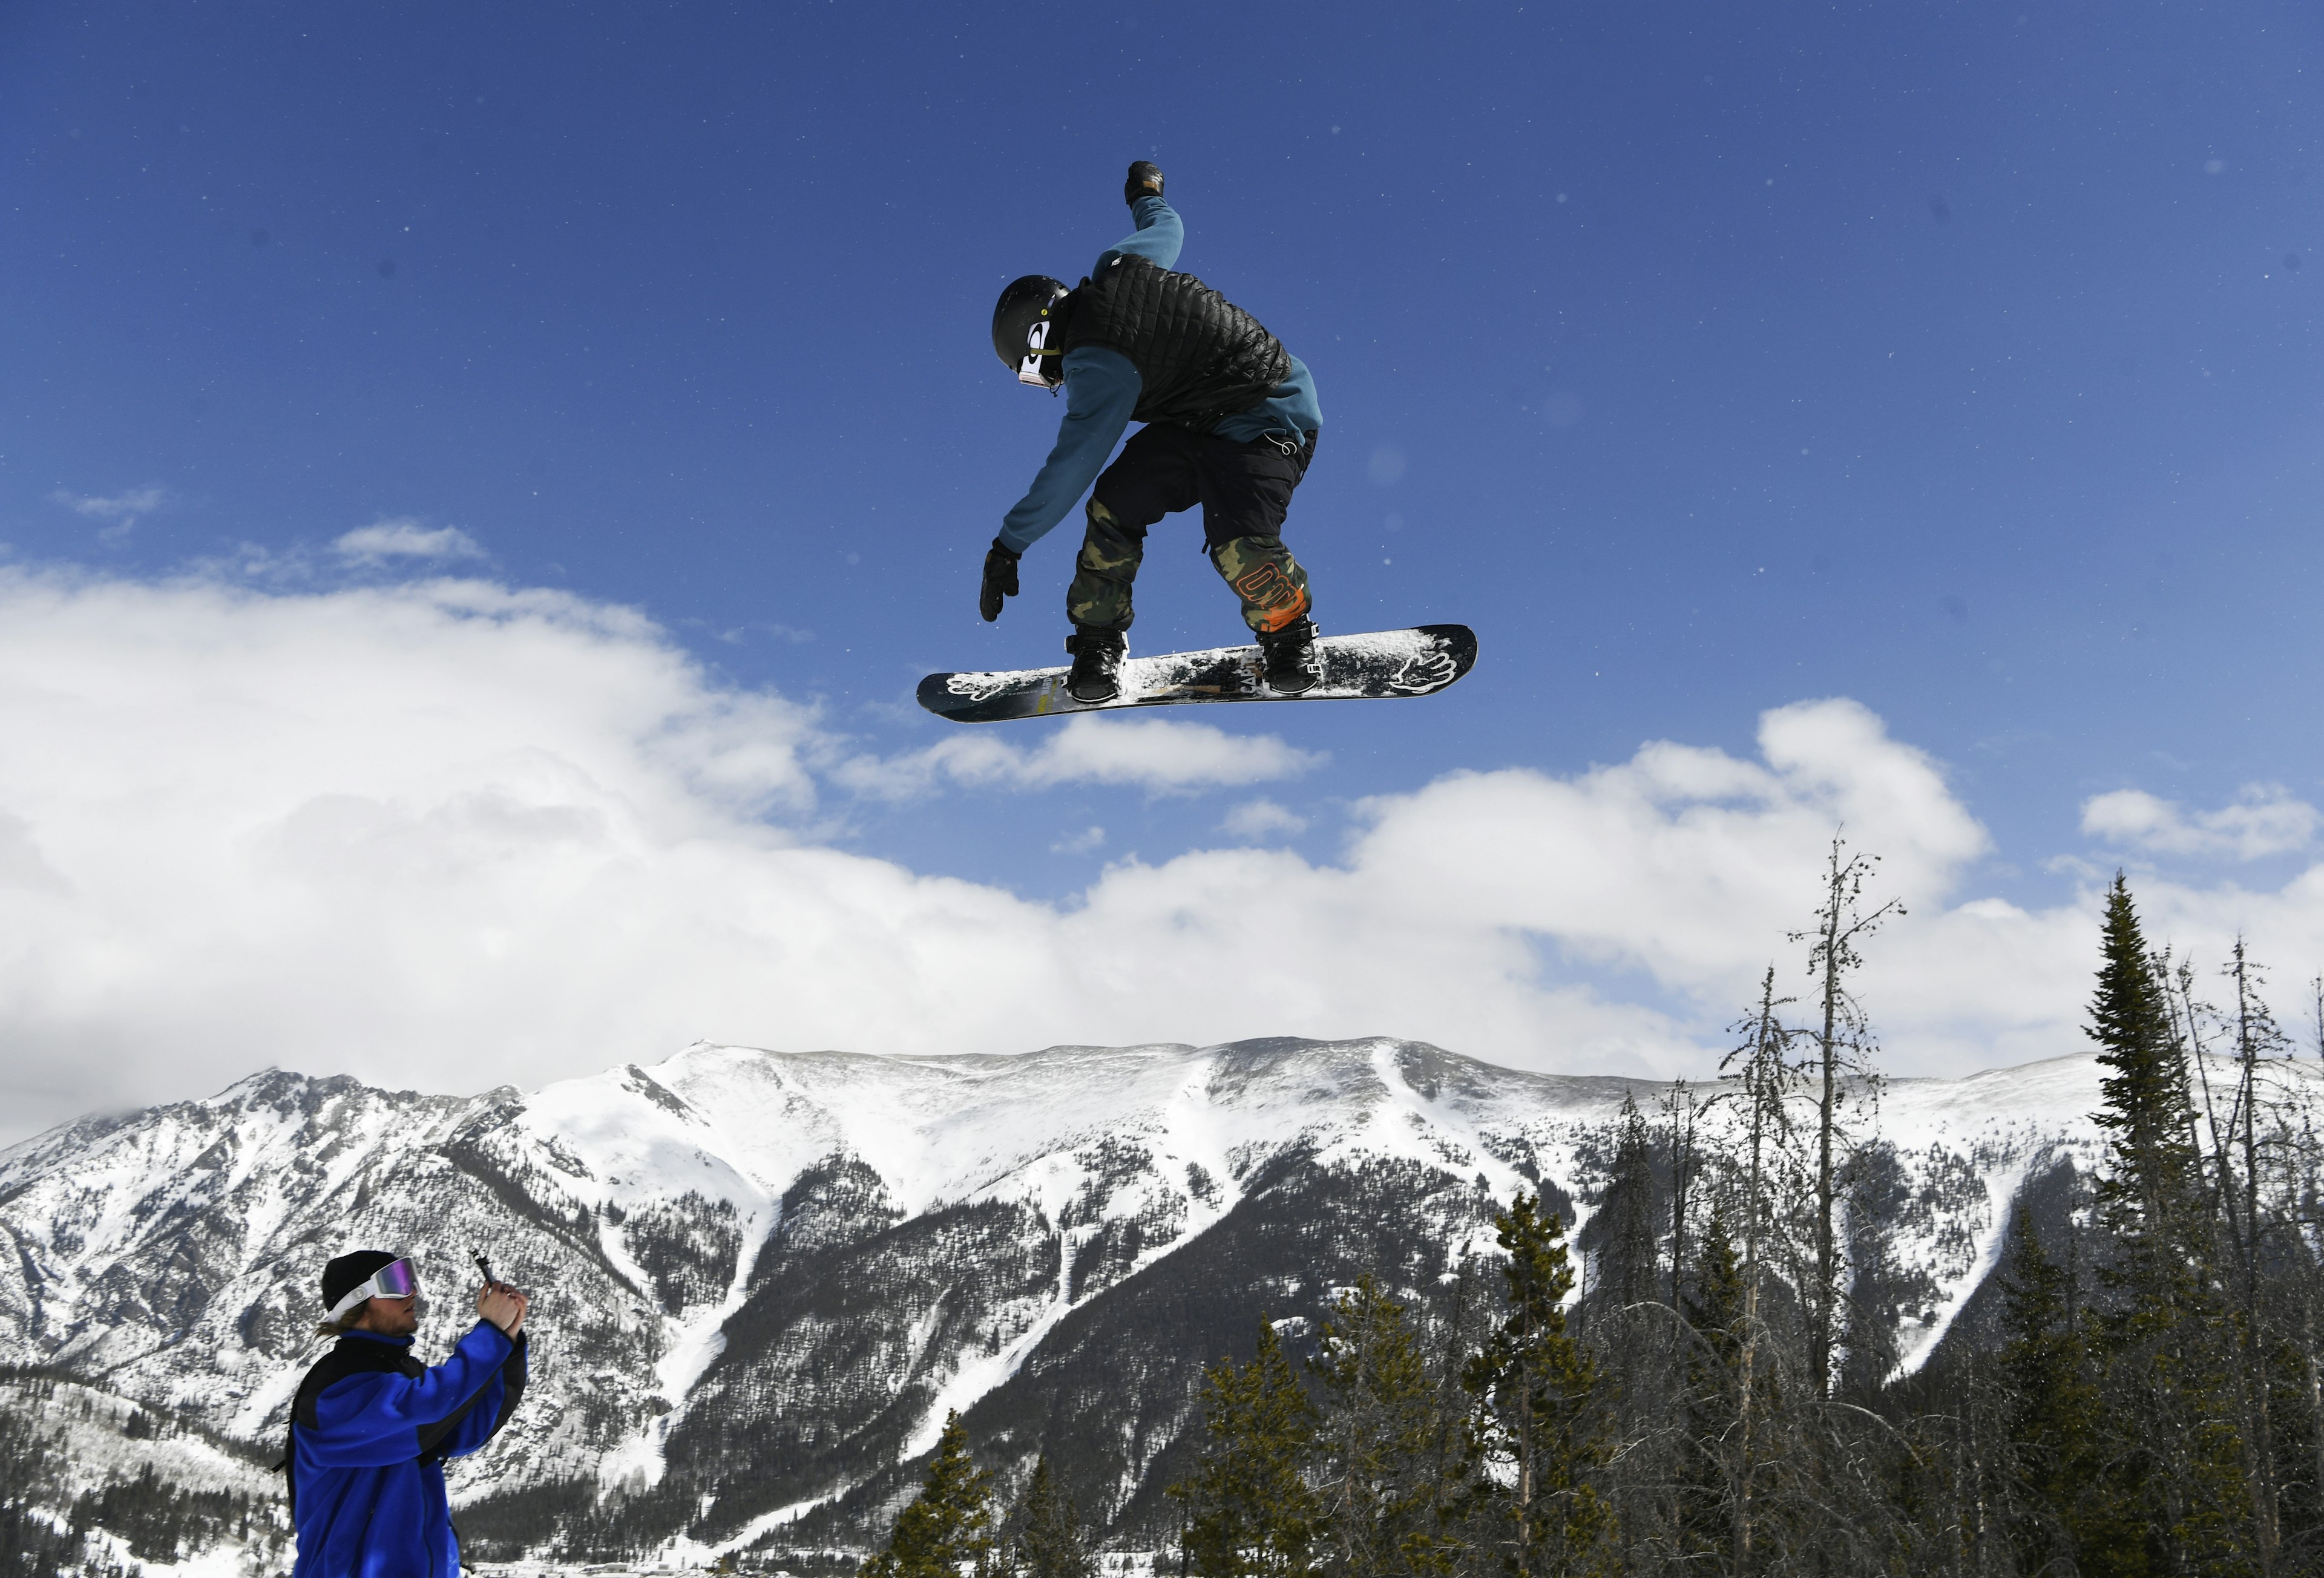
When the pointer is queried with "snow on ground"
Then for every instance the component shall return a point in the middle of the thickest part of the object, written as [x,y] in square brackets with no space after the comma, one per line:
[99,1451]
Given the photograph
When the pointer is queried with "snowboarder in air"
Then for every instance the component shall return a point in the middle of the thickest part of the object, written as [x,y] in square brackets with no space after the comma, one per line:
[1231,423]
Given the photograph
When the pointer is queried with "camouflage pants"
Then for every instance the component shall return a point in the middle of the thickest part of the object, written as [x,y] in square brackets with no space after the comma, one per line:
[1269,580]
[1245,491]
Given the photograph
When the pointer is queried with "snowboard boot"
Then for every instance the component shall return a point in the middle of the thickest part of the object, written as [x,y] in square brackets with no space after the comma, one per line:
[1097,663]
[1288,658]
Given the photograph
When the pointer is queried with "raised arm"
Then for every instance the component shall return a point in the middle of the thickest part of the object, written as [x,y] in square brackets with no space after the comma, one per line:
[372,1420]
[492,1409]
[1101,390]
[1159,237]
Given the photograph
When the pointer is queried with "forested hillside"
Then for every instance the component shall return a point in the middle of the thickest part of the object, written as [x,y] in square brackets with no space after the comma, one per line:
[2136,1393]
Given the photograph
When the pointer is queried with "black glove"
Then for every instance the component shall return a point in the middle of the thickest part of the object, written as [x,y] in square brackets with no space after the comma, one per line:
[1000,580]
[1145,181]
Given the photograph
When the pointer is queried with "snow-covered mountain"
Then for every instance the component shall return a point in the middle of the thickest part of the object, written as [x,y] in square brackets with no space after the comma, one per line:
[763,1277]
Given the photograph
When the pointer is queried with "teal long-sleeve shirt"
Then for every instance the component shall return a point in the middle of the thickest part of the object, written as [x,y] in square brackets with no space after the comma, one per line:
[1102,390]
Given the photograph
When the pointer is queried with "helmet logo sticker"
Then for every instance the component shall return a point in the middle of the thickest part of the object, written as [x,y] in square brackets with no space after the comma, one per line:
[1029,370]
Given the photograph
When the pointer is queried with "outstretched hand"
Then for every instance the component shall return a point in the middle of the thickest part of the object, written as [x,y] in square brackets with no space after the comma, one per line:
[1145,181]
[503,1305]
[1000,580]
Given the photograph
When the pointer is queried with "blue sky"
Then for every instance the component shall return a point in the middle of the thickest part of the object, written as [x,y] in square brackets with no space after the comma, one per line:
[1958,360]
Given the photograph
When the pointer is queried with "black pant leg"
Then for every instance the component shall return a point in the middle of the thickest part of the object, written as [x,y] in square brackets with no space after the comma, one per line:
[1246,488]
[1155,475]
[1247,491]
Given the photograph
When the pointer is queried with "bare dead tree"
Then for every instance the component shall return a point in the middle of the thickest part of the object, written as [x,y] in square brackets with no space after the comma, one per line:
[1767,1080]
[1842,1049]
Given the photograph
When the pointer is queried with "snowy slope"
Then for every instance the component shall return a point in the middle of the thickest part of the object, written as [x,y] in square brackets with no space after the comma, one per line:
[765,1277]
[185,1496]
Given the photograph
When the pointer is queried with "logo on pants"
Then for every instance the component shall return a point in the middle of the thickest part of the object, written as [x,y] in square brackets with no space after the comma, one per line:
[1279,599]
[1265,586]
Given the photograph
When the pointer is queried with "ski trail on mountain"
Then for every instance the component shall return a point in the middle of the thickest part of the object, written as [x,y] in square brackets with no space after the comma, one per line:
[1186,1117]
[1910,1356]
[695,1337]
[1503,1181]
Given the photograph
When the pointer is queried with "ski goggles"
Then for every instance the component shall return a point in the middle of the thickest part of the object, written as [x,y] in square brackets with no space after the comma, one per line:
[1029,371]
[395,1280]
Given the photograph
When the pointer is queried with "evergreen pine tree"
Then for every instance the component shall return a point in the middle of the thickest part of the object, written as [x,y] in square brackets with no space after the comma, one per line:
[1250,1509]
[2174,1454]
[1628,1255]
[1711,1469]
[1379,1476]
[2148,1192]
[2060,1517]
[1046,1537]
[1536,1429]
[948,1526]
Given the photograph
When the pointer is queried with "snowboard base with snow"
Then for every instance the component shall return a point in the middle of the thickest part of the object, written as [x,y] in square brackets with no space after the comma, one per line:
[1417,662]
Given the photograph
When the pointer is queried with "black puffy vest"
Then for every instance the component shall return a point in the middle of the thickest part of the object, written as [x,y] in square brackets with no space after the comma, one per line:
[1200,358]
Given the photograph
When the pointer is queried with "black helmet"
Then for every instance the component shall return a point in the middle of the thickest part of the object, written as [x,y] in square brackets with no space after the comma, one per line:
[1020,330]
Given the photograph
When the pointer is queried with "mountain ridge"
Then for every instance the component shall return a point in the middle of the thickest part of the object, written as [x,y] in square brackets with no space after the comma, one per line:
[768,1275]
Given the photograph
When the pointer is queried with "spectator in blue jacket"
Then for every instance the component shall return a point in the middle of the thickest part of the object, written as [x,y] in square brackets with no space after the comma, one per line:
[370,1425]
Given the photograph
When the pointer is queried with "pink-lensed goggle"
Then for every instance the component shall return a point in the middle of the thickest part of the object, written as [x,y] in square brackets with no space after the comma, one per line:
[394,1279]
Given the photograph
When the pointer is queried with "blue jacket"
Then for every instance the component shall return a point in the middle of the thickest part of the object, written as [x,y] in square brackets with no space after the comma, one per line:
[369,1431]
[1101,390]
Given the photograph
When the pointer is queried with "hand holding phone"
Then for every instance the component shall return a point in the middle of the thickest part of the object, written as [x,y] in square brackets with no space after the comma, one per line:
[497,1302]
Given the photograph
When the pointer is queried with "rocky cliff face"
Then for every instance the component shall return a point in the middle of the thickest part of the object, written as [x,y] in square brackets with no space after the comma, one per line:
[764,1278]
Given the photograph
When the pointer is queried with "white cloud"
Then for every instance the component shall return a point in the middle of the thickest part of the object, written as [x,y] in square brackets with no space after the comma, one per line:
[2264,820]
[1087,841]
[1262,818]
[123,510]
[790,633]
[451,834]
[1159,755]
[403,537]
[125,506]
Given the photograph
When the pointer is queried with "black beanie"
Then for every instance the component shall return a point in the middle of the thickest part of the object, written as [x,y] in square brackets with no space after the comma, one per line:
[343,1275]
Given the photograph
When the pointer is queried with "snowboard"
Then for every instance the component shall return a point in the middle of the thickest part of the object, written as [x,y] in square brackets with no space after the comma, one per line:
[1419,661]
